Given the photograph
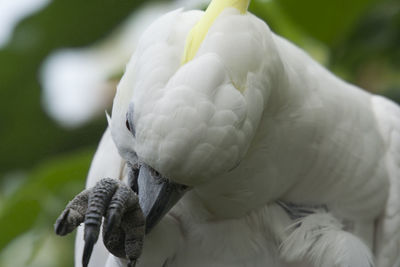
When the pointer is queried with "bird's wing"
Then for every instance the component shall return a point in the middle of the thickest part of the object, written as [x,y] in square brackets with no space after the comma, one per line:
[387,244]
[106,163]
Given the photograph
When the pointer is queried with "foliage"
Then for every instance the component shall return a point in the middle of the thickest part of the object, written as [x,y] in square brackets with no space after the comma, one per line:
[43,165]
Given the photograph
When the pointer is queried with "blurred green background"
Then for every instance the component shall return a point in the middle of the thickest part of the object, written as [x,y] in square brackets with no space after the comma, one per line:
[43,162]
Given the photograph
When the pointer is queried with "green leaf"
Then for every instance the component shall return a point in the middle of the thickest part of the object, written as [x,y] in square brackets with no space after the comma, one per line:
[328,21]
[27,134]
[279,22]
[44,194]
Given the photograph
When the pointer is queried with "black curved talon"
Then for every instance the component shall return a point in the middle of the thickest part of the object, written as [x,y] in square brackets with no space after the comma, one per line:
[110,223]
[133,174]
[91,235]
[132,263]
[123,230]
[73,214]
[60,227]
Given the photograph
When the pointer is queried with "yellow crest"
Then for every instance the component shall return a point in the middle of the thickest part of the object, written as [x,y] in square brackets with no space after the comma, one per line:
[199,31]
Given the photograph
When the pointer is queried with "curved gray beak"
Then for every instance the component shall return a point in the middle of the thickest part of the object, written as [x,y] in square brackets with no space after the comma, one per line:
[157,195]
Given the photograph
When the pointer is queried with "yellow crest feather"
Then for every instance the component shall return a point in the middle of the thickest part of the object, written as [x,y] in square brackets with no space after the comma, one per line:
[199,31]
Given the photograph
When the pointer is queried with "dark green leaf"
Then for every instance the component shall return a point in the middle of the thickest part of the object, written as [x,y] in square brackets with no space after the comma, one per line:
[328,21]
[59,179]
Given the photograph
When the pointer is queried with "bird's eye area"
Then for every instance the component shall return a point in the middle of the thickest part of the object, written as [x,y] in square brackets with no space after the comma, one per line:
[129,123]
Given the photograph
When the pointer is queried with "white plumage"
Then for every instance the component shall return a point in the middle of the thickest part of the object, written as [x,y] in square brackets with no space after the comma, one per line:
[251,120]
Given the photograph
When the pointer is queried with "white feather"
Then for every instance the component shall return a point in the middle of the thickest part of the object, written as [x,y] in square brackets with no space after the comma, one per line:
[319,238]
[250,120]
[387,241]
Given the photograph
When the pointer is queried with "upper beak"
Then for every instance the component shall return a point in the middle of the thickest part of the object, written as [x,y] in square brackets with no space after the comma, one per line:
[157,195]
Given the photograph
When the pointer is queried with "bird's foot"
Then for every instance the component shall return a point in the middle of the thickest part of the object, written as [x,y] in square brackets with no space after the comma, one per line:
[124,223]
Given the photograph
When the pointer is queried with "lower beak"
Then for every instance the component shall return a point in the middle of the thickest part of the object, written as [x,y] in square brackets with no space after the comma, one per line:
[157,195]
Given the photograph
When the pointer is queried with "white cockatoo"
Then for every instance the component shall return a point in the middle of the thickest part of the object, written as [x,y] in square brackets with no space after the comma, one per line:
[243,151]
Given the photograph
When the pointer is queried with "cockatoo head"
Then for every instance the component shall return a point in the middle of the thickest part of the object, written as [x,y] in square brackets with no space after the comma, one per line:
[193,94]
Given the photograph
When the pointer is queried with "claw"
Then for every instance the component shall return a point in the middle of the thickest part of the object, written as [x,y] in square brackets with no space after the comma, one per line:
[124,228]
[99,199]
[133,174]
[91,236]
[111,220]
[73,214]
[60,227]
[132,263]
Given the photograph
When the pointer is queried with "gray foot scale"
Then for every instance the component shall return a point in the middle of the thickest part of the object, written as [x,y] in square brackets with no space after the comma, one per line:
[124,223]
